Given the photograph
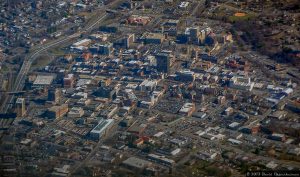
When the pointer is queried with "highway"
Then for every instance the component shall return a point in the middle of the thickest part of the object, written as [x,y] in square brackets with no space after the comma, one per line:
[19,83]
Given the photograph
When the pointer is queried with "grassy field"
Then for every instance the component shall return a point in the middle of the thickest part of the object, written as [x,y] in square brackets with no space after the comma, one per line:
[232,13]
[57,51]
[41,62]
[234,18]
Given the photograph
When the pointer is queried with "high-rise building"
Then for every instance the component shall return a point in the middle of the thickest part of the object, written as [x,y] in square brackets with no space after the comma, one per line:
[202,35]
[69,81]
[56,112]
[94,49]
[54,94]
[194,32]
[194,35]
[106,92]
[106,49]
[128,40]
[163,62]
[20,107]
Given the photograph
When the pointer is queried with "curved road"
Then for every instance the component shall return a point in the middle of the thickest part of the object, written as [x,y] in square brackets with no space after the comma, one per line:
[29,60]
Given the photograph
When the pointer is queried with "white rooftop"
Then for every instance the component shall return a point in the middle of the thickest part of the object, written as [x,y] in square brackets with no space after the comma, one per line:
[43,80]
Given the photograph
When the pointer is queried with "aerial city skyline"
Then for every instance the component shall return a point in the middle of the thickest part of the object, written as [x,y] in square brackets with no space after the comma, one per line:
[136,88]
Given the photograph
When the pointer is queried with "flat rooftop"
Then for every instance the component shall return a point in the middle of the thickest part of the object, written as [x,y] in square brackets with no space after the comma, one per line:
[136,162]
[43,80]
[20,100]
[153,35]
[103,124]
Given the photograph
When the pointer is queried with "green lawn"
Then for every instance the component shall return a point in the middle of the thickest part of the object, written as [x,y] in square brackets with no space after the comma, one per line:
[243,18]
[41,61]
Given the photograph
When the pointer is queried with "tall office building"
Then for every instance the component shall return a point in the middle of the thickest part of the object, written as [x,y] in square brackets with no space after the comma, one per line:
[56,112]
[128,40]
[194,33]
[106,92]
[54,95]
[106,49]
[202,36]
[163,62]
[20,107]
[69,81]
